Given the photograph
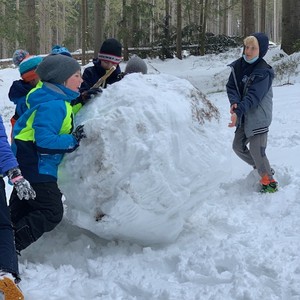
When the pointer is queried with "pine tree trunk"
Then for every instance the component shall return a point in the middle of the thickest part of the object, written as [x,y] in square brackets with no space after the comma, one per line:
[203,18]
[31,40]
[166,53]
[248,23]
[17,21]
[124,31]
[83,30]
[290,26]
[99,14]
[179,32]
[262,16]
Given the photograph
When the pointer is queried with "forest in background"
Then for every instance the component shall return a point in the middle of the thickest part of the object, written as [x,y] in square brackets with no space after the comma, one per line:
[149,27]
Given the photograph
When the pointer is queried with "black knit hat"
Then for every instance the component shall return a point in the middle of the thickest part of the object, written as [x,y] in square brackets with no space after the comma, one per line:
[57,68]
[111,50]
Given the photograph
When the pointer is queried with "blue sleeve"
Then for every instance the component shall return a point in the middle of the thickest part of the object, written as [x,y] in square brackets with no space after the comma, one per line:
[47,124]
[7,159]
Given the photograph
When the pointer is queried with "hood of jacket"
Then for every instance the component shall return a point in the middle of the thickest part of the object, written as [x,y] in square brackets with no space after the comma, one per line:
[263,42]
[19,89]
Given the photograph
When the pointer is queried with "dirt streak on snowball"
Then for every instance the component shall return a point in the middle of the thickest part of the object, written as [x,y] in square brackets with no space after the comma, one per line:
[146,156]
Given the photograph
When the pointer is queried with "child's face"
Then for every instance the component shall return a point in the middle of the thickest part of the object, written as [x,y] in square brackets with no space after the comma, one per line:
[107,64]
[74,82]
[251,50]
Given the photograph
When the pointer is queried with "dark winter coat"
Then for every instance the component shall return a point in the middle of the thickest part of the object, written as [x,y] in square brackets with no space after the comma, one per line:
[250,87]
[92,74]
[17,94]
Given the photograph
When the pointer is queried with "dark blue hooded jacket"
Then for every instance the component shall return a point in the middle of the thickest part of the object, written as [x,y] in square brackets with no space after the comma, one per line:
[17,94]
[250,87]
[92,74]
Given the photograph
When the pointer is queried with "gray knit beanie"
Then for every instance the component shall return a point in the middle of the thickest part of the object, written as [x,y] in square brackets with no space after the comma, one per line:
[57,68]
[136,65]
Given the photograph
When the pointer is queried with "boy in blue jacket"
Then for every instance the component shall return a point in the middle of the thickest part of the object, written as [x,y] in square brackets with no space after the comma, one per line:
[249,90]
[9,273]
[42,135]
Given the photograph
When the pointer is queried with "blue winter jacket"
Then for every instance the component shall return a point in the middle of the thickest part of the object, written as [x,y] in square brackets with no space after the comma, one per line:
[251,90]
[43,133]
[92,74]
[7,159]
[17,94]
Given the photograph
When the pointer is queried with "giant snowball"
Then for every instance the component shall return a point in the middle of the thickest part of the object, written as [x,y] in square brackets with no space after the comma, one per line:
[147,162]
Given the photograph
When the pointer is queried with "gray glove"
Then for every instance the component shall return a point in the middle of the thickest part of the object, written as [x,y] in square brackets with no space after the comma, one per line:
[22,186]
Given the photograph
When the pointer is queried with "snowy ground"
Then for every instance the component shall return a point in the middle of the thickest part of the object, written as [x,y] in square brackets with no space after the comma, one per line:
[237,243]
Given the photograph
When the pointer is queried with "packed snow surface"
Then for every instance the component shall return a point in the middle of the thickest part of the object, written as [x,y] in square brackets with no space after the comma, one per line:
[146,157]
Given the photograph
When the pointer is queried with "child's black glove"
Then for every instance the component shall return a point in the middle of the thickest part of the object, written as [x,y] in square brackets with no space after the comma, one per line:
[121,75]
[79,133]
[89,94]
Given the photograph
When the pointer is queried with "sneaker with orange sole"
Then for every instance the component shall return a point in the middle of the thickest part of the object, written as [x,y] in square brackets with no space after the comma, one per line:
[272,187]
[268,186]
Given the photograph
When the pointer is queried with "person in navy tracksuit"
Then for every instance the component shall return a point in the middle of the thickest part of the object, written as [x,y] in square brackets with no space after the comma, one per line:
[249,90]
